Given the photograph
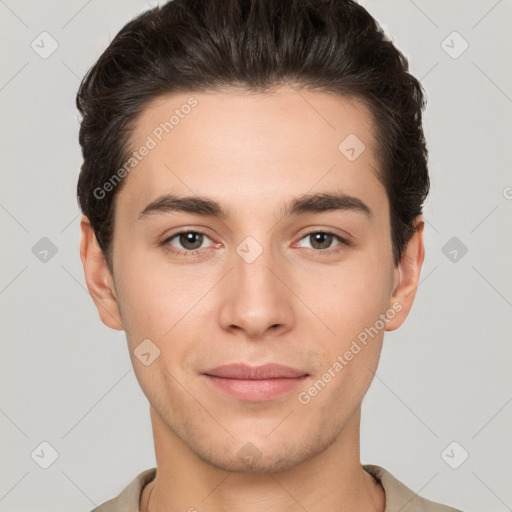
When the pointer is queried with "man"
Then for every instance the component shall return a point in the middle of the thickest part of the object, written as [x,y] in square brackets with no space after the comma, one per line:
[252,188]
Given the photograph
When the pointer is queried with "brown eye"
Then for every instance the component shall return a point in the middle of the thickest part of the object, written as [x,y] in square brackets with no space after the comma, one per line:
[191,240]
[321,240]
[186,243]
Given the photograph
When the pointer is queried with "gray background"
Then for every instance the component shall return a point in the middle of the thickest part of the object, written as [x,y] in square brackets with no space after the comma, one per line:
[444,376]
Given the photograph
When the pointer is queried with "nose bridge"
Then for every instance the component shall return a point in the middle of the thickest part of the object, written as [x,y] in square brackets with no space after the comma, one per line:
[254,277]
[256,299]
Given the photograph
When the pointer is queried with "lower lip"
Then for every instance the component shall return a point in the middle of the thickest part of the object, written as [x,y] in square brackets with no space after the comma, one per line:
[255,390]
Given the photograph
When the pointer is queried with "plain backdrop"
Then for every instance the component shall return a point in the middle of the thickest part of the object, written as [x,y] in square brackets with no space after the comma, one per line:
[442,392]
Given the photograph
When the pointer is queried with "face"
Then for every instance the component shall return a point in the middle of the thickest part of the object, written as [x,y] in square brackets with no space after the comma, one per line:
[267,270]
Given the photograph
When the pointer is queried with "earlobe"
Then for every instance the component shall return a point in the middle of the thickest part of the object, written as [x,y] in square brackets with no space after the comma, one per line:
[408,272]
[98,278]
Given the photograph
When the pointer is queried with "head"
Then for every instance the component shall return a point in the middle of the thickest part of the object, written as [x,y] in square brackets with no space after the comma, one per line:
[289,135]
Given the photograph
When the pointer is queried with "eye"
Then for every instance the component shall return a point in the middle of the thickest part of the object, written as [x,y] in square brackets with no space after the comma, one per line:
[191,241]
[321,241]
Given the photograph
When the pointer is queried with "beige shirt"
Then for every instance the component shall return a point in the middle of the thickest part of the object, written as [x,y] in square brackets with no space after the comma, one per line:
[399,498]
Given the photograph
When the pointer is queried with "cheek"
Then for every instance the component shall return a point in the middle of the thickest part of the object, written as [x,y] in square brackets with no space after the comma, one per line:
[340,386]
[347,298]
[154,296]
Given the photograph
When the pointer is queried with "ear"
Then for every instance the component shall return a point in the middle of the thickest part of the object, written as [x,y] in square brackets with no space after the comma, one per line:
[98,278]
[407,274]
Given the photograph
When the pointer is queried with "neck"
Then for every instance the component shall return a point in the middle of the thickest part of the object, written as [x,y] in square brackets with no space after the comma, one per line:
[332,480]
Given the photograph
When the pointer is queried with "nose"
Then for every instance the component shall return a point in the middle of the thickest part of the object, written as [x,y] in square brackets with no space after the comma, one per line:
[257,298]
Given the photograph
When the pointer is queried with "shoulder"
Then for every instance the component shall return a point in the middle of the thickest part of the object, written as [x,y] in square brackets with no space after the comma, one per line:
[129,498]
[400,497]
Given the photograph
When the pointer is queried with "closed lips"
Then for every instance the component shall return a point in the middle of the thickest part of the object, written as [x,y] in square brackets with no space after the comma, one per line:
[247,372]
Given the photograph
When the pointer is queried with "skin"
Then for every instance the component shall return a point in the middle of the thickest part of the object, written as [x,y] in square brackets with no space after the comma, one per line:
[294,304]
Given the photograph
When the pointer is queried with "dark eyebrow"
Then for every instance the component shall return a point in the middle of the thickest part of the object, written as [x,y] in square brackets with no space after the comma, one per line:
[310,203]
[324,201]
[190,204]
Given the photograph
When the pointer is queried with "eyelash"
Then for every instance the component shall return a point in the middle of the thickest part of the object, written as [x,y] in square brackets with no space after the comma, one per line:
[321,252]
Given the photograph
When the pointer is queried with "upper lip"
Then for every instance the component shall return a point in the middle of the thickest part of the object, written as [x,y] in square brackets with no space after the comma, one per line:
[266,371]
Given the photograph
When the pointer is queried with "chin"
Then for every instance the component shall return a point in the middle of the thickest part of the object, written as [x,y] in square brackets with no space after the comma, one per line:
[260,455]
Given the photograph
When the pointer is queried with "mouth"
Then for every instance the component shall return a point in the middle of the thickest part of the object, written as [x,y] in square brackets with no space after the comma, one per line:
[255,383]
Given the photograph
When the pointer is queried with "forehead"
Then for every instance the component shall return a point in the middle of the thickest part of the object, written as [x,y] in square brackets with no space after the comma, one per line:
[250,147]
